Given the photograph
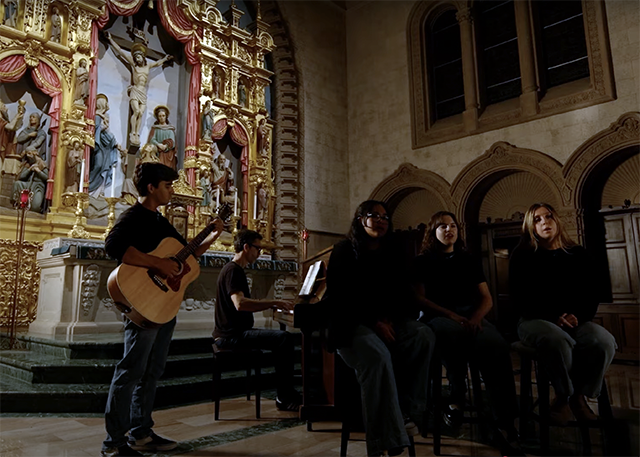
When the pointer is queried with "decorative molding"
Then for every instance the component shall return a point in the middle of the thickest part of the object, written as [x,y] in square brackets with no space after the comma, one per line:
[506,158]
[28,281]
[621,134]
[90,283]
[408,176]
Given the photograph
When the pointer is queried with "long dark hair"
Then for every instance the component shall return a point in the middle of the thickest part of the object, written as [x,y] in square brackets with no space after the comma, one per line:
[357,234]
[431,243]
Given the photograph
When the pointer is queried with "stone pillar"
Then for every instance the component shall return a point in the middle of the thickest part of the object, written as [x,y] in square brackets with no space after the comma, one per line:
[529,96]
[470,114]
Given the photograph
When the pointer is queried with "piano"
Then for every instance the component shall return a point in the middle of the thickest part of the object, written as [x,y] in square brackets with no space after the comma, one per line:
[310,315]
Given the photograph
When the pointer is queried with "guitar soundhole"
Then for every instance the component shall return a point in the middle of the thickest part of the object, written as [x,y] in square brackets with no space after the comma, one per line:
[157,281]
[174,282]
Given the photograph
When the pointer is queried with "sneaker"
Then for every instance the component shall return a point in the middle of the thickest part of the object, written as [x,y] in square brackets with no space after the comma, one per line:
[289,403]
[152,443]
[410,426]
[581,409]
[452,416]
[118,451]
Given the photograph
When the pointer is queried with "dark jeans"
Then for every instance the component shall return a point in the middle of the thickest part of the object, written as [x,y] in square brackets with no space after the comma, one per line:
[491,353]
[277,341]
[133,387]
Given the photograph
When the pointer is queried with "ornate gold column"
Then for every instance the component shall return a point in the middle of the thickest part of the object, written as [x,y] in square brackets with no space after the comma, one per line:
[470,114]
[529,96]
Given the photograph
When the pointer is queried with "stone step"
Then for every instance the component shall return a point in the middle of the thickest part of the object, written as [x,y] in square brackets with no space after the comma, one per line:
[20,397]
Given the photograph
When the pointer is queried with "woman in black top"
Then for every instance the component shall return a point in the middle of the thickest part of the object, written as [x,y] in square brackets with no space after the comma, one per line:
[375,329]
[456,299]
[552,283]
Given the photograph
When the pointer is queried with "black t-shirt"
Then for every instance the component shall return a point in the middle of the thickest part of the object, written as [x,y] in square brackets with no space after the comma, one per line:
[230,321]
[544,284]
[141,228]
[450,280]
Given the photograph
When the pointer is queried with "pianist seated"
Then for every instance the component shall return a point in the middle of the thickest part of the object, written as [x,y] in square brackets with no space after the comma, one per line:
[377,333]
[234,310]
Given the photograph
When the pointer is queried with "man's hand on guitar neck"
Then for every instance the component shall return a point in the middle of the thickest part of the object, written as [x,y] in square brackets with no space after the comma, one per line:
[208,241]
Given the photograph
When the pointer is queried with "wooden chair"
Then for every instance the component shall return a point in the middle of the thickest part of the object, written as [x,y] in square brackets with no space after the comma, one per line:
[251,358]
[528,356]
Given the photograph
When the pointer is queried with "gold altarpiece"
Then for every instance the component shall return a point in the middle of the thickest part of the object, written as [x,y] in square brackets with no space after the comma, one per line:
[230,57]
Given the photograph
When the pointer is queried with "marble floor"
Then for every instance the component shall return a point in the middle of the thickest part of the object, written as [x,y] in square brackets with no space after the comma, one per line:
[277,433]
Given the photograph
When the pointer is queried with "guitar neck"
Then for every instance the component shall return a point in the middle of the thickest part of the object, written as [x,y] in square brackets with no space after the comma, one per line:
[190,248]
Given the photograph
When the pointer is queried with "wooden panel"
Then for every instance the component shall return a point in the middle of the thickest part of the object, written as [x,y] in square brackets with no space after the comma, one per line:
[629,332]
[619,271]
[615,230]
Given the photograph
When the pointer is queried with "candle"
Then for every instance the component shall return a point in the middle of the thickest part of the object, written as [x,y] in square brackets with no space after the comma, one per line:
[81,176]
[217,197]
[235,203]
[113,179]
[255,205]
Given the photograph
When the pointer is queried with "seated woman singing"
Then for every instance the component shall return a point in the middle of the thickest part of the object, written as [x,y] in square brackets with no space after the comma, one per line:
[552,283]
[375,329]
[456,299]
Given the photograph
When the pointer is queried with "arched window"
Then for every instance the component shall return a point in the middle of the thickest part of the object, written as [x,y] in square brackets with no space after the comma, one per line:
[445,62]
[498,58]
[485,64]
[563,49]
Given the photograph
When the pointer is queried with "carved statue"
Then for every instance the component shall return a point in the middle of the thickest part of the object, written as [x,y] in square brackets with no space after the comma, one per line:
[263,138]
[81,91]
[33,175]
[262,203]
[207,121]
[149,153]
[242,94]
[72,173]
[138,90]
[9,127]
[102,105]
[56,25]
[104,157]
[217,84]
[222,177]
[10,13]
[33,138]
[163,137]
[208,197]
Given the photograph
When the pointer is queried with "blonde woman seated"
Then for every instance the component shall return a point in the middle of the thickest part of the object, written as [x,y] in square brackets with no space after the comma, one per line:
[456,300]
[552,284]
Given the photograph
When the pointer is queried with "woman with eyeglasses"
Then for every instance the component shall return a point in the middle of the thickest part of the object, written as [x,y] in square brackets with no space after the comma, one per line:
[375,329]
[455,300]
[552,283]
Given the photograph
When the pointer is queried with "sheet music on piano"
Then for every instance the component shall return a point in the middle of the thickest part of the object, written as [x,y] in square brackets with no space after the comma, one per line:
[307,289]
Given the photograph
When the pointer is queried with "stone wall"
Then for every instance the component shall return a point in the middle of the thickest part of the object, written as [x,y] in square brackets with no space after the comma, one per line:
[318,32]
[379,100]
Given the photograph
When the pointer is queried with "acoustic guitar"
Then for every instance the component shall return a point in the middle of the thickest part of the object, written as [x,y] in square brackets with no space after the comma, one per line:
[148,299]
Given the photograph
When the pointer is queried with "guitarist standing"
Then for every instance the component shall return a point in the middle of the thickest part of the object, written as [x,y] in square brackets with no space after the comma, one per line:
[234,318]
[140,230]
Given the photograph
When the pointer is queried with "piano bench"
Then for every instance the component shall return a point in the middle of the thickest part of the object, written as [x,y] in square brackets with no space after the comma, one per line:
[252,358]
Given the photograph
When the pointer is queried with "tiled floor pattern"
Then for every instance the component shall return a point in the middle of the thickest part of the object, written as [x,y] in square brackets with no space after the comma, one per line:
[275,434]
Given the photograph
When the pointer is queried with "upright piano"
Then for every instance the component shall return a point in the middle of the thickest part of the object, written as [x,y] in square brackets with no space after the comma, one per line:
[311,316]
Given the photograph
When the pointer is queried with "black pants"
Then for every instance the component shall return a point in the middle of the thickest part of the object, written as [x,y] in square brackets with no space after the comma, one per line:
[277,341]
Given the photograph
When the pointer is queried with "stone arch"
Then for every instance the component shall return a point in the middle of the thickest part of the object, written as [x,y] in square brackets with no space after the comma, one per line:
[623,134]
[288,152]
[498,162]
[408,177]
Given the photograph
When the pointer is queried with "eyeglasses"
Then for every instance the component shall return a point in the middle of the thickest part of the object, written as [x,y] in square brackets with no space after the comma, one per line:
[259,248]
[378,217]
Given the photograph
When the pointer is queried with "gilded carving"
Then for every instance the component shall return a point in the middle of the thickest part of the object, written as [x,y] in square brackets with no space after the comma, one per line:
[90,283]
[28,281]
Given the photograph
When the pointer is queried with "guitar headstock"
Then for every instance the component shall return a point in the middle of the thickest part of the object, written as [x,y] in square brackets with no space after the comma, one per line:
[224,212]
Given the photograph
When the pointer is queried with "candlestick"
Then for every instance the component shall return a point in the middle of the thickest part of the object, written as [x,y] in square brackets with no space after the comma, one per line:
[81,176]
[111,201]
[79,230]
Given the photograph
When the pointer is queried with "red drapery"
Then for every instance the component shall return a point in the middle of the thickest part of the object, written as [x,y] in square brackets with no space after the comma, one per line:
[123,8]
[183,30]
[12,68]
